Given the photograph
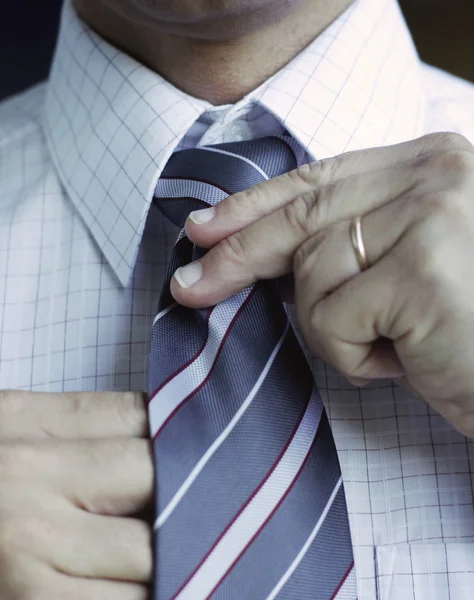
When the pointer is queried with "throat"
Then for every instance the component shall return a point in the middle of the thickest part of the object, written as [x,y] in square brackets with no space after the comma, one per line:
[221,71]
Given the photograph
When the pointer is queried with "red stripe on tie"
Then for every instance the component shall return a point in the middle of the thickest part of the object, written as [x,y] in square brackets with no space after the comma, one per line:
[186,364]
[290,487]
[341,583]
[249,499]
[219,350]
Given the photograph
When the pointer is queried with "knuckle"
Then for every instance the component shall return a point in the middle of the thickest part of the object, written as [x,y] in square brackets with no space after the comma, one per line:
[310,211]
[460,161]
[427,261]
[438,203]
[448,139]
[296,214]
[456,161]
[317,172]
[233,250]
[327,168]
[305,213]
[306,173]
[248,202]
[449,161]
[452,203]
[458,141]
[307,255]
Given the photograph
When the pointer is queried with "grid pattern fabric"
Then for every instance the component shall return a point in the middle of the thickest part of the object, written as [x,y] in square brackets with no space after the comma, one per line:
[83,255]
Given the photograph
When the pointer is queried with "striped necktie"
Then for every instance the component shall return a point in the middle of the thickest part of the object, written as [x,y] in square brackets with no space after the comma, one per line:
[249,495]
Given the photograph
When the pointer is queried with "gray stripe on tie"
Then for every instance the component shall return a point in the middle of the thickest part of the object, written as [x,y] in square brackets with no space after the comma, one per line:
[239,156]
[186,443]
[302,553]
[219,440]
[330,554]
[228,172]
[176,198]
[176,339]
[220,492]
[272,552]
[182,255]
[271,154]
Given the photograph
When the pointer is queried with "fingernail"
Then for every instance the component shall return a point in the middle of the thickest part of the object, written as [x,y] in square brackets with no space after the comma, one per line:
[188,275]
[202,216]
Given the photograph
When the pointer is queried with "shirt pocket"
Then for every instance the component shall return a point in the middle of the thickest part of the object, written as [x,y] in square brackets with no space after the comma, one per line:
[425,571]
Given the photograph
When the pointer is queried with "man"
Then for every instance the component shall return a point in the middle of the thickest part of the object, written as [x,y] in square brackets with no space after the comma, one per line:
[84,253]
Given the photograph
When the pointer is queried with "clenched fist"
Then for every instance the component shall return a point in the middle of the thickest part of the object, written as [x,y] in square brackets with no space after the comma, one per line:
[75,473]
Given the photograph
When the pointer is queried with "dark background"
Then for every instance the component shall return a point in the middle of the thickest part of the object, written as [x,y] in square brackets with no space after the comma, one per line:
[443,31]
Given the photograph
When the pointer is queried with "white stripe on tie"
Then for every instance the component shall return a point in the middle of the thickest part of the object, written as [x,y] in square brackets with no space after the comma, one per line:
[301,554]
[183,188]
[253,517]
[164,312]
[222,437]
[167,400]
[243,158]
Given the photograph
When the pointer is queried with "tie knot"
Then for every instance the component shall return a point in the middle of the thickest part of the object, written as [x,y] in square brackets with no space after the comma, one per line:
[200,177]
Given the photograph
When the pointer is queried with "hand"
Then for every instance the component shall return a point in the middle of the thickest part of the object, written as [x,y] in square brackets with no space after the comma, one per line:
[411,314]
[74,471]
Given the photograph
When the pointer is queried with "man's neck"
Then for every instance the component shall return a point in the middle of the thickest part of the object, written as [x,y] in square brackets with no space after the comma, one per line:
[221,72]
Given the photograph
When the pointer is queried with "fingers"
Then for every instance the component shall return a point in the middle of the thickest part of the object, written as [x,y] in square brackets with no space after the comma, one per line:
[108,476]
[347,323]
[34,579]
[266,248]
[73,588]
[327,260]
[328,281]
[103,476]
[33,415]
[60,585]
[241,210]
[98,546]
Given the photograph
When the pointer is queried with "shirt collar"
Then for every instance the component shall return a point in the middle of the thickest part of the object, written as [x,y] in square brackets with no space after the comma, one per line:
[111,123]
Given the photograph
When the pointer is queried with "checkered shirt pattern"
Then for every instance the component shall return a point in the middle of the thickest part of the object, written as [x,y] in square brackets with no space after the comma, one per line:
[83,255]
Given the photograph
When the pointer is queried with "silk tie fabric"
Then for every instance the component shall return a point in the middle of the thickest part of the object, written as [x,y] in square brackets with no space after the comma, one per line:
[249,497]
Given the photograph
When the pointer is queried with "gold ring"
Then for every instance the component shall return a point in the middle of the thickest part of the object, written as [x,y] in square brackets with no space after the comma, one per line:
[358,243]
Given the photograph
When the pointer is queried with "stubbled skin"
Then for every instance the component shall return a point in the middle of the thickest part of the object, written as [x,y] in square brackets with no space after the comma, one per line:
[208,19]
[218,50]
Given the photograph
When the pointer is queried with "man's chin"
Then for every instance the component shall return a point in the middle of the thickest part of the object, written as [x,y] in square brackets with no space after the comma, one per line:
[214,21]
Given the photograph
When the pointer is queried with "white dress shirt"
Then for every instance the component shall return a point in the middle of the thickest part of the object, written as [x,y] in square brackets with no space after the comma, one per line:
[83,256]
